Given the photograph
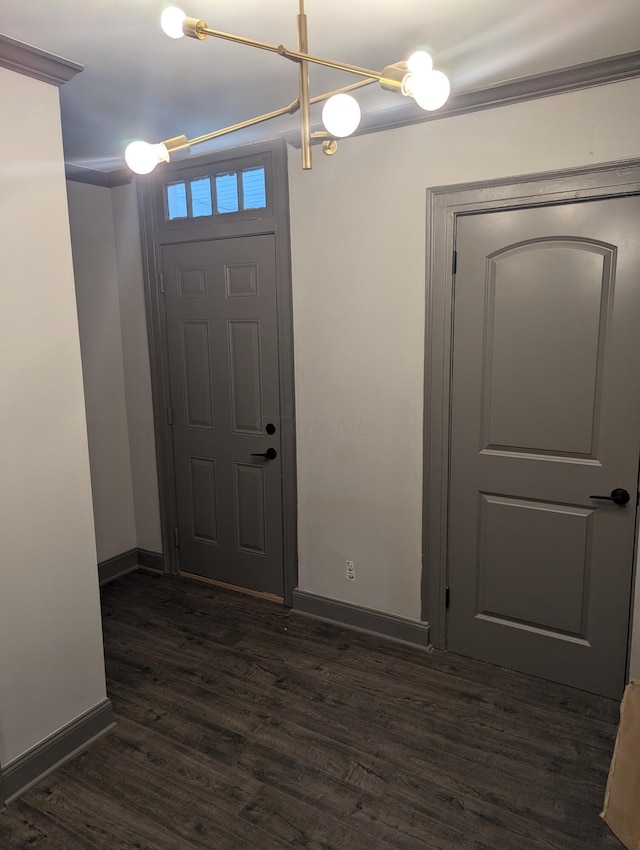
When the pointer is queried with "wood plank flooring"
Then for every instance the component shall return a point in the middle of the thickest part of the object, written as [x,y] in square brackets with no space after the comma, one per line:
[242,726]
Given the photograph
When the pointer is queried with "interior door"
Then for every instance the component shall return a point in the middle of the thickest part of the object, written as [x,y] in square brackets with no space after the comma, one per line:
[545,422]
[220,298]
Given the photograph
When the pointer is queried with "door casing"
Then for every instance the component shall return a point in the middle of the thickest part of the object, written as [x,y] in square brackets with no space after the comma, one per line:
[444,204]
[273,221]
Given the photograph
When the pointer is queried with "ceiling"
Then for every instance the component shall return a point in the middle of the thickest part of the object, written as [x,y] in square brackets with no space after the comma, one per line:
[137,83]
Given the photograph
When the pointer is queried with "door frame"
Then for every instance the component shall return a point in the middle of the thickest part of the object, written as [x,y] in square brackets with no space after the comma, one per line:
[154,234]
[444,204]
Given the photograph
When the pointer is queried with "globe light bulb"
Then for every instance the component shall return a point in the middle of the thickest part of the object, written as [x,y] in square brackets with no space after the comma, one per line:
[419,63]
[171,22]
[142,157]
[430,91]
[341,115]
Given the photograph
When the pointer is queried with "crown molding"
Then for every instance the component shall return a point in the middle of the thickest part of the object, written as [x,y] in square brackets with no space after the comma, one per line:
[94,177]
[599,72]
[572,78]
[33,62]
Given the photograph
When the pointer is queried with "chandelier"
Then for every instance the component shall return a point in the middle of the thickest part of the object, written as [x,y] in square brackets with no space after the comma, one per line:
[415,78]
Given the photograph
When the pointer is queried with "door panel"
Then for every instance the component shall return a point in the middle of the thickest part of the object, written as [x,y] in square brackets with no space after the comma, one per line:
[245,360]
[540,337]
[545,414]
[197,378]
[204,499]
[509,531]
[251,508]
[223,364]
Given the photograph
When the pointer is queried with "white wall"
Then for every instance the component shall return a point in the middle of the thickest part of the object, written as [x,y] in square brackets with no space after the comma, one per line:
[137,376]
[96,279]
[358,233]
[51,659]
[105,238]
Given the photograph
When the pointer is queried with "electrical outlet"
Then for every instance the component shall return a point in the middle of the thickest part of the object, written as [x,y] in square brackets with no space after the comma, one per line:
[351,571]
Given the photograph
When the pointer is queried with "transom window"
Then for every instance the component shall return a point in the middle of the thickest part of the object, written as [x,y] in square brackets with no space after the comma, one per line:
[226,192]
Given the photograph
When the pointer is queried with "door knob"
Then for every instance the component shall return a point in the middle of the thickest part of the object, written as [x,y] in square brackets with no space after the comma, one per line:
[618,496]
[270,454]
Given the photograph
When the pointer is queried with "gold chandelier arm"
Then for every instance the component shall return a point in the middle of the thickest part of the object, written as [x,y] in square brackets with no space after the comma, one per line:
[200,30]
[181,143]
[303,88]
[277,113]
[297,56]
[250,122]
[342,90]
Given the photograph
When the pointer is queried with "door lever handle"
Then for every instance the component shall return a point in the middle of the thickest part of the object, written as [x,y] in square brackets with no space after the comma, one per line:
[618,496]
[270,454]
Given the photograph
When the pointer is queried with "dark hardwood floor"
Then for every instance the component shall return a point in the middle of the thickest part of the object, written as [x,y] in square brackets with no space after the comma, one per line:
[242,726]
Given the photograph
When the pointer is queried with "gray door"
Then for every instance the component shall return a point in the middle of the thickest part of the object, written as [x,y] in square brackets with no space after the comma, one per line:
[545,416]
[223,367]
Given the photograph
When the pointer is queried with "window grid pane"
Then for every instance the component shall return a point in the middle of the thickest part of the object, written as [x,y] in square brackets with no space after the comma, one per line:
[227,192]
[176,201]
[254,190]
[194,199]
[201,197]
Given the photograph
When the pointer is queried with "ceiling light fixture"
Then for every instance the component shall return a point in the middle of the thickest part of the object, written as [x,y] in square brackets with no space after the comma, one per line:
[414,78]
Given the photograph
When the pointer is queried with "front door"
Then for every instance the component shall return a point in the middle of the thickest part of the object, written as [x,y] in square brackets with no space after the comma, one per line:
[545,423]
[222,335]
